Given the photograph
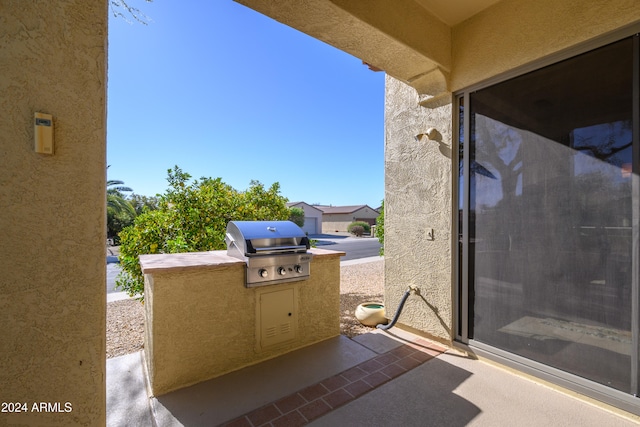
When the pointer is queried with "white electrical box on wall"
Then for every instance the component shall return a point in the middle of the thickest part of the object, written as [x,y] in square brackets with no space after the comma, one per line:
[43,133]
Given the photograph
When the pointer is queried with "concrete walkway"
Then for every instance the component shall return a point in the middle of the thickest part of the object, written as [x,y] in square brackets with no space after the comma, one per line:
[378,379]
[127,396]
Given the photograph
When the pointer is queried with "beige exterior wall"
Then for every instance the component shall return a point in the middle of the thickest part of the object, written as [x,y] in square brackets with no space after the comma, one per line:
[52,221]
[336,223]
[516,32]
[340,222]
[510,34]
[414,207]
[200,318]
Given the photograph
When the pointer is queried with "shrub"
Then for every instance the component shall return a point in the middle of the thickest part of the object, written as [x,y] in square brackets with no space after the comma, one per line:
[296,215]
[358,230]
[190,218]
[366,228]
[380,228]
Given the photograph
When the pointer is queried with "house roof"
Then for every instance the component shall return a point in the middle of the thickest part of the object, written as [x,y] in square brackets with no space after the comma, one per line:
[295,204]
[342,209]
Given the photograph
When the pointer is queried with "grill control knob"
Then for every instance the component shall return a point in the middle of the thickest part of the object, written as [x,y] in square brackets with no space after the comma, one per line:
[298,269]
[282,271]
[263,272]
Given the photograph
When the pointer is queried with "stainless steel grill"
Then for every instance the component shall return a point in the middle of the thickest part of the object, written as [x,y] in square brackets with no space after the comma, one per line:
[274,251]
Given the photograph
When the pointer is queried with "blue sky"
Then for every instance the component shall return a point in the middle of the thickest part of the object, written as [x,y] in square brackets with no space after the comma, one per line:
[223,91]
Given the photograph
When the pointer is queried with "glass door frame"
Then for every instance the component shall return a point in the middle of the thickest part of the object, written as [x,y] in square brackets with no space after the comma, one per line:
[629,402]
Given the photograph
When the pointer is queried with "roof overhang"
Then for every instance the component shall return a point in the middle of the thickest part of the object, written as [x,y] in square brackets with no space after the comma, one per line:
[453,12]
[409,39]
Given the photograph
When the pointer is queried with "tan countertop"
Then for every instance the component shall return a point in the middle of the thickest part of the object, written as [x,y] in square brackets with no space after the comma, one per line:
[155,263]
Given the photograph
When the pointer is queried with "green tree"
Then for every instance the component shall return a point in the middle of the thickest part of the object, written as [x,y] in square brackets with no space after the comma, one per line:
[380,228]
[120,213]
[296,215]
[192,217]
[142,204]
[116,201]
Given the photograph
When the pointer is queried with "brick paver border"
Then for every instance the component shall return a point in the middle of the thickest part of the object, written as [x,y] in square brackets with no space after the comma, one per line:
[310,403]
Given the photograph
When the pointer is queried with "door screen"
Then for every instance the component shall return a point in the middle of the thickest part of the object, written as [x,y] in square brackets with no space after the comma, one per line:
[550,215]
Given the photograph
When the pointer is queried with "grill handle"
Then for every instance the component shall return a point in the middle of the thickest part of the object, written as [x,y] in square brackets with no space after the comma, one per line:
[281,248]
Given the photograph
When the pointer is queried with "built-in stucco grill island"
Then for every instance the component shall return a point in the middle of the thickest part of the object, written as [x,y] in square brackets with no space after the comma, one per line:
[210,313]
[274,251]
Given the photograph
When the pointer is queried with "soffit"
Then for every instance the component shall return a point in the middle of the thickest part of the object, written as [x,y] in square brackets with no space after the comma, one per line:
[399,37]
[452,12]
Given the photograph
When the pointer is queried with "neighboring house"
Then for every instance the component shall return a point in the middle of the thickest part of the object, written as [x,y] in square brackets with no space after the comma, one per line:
[312,217]
[522,115]
[522,119]
[337,218]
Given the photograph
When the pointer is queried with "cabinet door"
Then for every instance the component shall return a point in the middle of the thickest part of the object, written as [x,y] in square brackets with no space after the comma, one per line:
[277,317]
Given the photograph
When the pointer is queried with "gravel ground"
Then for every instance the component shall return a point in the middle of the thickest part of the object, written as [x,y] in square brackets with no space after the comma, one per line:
[125,327]
[359,283]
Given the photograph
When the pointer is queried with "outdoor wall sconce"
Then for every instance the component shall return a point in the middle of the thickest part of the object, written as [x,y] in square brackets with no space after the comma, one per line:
[432,135]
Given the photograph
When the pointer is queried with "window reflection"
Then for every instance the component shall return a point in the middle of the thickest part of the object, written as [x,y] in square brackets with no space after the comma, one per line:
[550,215]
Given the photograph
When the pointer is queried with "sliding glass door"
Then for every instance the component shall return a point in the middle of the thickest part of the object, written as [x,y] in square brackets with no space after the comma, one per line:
[550,226]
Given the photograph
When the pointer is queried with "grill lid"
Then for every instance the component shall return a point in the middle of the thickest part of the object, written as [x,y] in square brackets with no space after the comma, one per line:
[249,238]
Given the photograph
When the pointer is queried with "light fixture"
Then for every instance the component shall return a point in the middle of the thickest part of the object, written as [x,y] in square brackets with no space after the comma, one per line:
[432,135]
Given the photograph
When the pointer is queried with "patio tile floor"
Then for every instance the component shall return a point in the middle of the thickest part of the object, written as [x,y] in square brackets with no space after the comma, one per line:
[314,401]
[353,381]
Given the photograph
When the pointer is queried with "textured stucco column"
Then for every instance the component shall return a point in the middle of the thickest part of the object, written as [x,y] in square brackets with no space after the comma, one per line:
[418,211]
[52,219]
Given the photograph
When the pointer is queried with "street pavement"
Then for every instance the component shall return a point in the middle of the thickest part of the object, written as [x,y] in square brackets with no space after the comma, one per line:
[354,247]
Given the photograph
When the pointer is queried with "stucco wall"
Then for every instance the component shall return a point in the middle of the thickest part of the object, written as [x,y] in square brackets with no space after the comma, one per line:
[201,319]
[417,199]
[332,223]
[515,32]
[52,220]
[336,226]
[340,222]
[418,176]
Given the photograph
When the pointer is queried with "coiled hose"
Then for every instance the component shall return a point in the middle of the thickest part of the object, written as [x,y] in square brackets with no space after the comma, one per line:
[398,311]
